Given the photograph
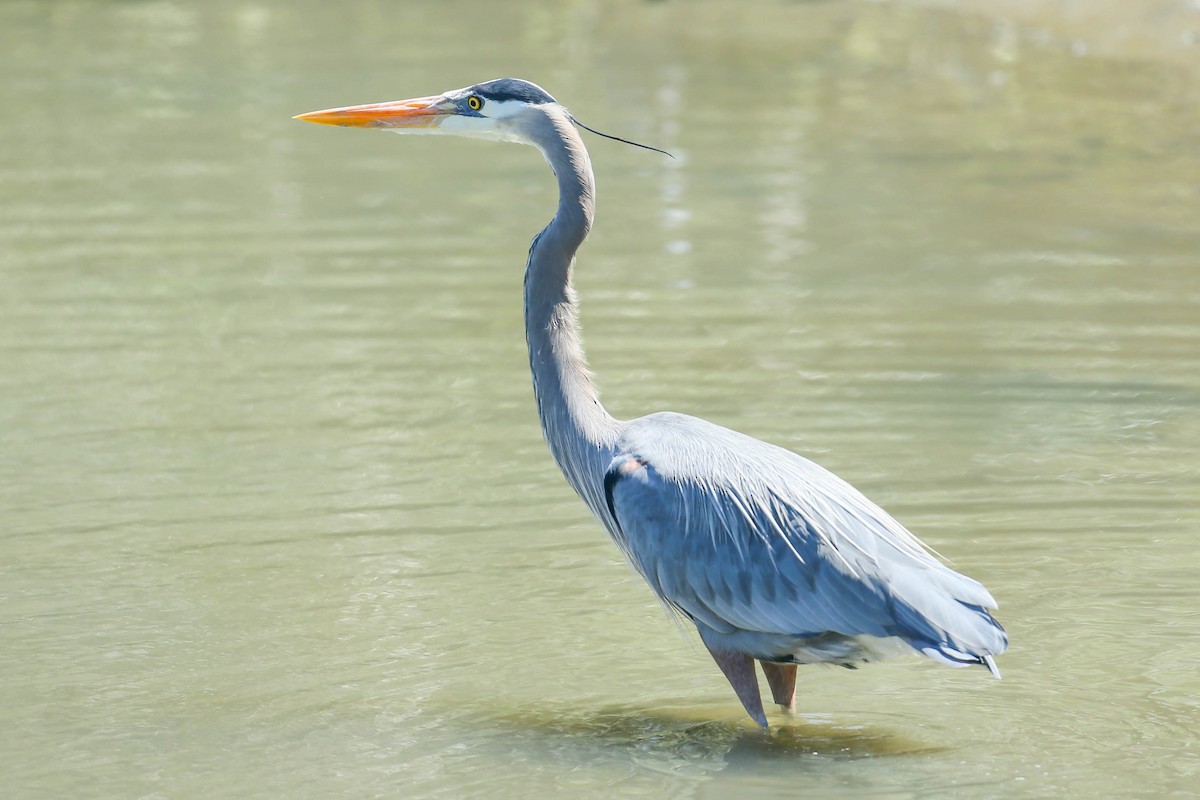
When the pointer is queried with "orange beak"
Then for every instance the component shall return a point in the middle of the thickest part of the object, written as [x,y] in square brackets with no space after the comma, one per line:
[420,112]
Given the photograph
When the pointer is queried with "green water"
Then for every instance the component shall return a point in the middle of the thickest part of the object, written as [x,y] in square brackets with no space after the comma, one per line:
[277,519]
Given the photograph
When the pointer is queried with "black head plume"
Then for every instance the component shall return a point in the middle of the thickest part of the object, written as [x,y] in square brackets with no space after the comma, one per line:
[619,139]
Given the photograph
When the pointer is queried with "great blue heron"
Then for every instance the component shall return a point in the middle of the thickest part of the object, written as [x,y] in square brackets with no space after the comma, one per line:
[772,557]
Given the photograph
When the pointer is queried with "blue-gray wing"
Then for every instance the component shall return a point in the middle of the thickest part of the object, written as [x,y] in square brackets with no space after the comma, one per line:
[741,535]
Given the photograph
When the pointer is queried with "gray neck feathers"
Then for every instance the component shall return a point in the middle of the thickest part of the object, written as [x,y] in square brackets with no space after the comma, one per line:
[580,433]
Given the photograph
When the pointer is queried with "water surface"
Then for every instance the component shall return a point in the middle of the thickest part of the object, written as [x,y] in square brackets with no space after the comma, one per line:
[277,517]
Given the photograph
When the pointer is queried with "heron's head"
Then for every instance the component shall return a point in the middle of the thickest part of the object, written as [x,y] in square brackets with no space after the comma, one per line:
[506,109]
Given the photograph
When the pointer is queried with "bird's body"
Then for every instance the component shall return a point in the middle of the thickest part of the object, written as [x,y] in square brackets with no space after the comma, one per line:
[772,557]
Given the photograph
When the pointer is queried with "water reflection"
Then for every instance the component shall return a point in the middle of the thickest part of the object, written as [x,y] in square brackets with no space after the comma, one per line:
[695,743]
[670,731]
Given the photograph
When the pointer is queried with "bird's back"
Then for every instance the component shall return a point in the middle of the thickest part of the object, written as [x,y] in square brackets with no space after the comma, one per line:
[769,550]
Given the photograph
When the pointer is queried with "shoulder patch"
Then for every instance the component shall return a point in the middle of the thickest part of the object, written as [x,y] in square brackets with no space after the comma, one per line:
[621,467]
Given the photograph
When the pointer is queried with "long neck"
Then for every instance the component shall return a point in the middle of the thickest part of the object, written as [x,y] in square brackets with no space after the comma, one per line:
[576,426]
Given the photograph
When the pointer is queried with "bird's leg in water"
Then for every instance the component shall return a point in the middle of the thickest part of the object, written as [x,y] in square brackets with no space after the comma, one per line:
[739,670]
[782,678]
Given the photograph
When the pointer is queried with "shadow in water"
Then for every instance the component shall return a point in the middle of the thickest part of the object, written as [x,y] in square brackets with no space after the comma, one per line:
[668,735]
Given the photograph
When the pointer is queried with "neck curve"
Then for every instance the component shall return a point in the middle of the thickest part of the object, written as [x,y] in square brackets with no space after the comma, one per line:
[580,432]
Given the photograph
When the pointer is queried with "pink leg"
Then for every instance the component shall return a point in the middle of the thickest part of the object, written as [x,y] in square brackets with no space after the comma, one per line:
[739,670]
[782,678]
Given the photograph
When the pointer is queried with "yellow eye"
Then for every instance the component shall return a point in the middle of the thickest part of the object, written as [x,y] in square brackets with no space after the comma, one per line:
[474,102]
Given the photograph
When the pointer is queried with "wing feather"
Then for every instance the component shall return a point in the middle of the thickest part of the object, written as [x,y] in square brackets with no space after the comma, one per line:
[744,536]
